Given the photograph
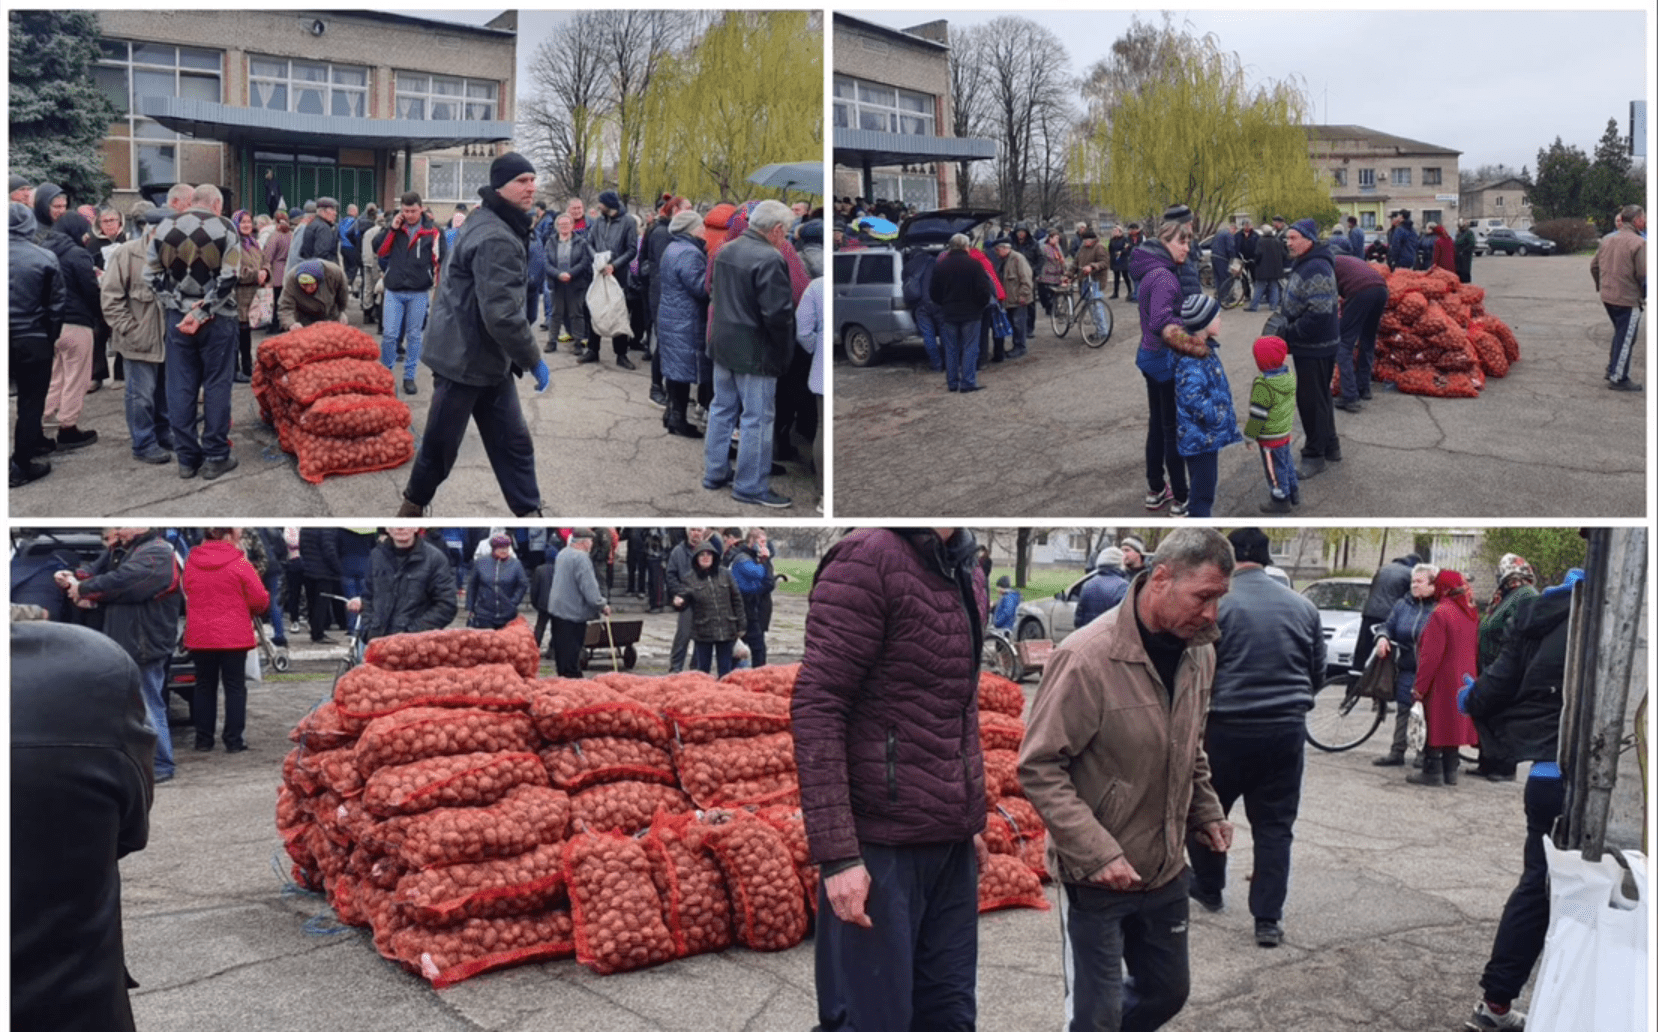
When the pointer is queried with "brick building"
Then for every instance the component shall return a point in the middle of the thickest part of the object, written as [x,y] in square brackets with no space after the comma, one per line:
[1507,199]
[358,105]
[893,116]
[1376,172]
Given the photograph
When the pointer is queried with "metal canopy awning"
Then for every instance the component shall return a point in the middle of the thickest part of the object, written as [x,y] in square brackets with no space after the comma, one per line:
[248,126]
[865,148]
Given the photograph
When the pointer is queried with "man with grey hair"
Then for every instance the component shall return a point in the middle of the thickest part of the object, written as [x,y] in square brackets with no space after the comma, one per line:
[1119,806]
[961,289]
[1619,270]
[751,341]
[180,197]
[320,239]
[194,264]
[138,334]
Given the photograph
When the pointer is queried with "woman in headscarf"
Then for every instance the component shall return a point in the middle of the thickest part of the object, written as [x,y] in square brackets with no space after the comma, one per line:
[1447,652]
[276,259]
[253,274]
[109,231]
[1516,582]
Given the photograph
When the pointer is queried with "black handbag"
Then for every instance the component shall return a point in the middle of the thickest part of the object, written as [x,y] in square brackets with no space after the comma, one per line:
[1379,677]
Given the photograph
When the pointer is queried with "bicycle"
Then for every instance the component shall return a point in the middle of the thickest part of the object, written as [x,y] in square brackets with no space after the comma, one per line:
[1238,286]
[1000,657]
[1076,307]
[1345,718]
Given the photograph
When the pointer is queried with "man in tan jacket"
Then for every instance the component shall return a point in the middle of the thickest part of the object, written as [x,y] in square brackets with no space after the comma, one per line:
[1019,286]
[138,334]
[1113,761]
[1619,270]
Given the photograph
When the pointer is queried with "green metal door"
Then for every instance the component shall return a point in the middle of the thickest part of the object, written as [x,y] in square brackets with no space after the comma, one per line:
[285,181]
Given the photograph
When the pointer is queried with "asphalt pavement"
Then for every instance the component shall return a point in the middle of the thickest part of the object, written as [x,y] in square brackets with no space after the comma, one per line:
[1394,900]
[600,450]
[1060,433]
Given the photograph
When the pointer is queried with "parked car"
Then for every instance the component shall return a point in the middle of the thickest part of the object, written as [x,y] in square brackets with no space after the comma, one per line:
[1340,602]
[1517,241]
[870,312]
[1052,618]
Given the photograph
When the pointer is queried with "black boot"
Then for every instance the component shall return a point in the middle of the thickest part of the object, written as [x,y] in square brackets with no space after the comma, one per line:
[1452,763]
[1392,759]
[1433,770]
[678,424]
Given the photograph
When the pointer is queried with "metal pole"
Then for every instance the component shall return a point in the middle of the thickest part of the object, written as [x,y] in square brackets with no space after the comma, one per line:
[1619,599]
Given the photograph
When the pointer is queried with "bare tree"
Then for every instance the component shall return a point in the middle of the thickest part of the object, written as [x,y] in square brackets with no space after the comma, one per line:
[560,122]
[968,90]
[634,45]
[1028,76]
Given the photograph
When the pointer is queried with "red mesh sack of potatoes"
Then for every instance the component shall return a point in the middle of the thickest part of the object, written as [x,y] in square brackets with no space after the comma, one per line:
[594,761]
[1471,295]
[526,817]
[705,715]
[290,812]
[1490,350]
[325,812]
[1455,360]
[766,896]
[513,644]
[651,692]
[323,457]
[523,884]
[1433,288]
[338,771]
[735,771]
[367,692]
[322,728]
[1431,322]
[307,775]
[1005,882]
[1389,324]
[999,731]
[470,779]
[999,695]
[1034,852]
[1500,330]
[316,343]
[335,376]
[625,806]
[421,732]
[770,680]
[695,906]
[446,956]
[1001,770]
[347,902]
[999,836]
[329,855]
[791,824]
[1022,815]
[1455,308]
[1410,307]
[617,912]
[1435,384]
[386,871]
[567,709]
[353,415]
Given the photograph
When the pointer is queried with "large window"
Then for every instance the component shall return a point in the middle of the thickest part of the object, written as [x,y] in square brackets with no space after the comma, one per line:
[455,179]
[127,72]
[918,192]
[307,87]
[1367,178]
[445,98]
[1432,177]
[884,109]
[1401,177]
[1341,176]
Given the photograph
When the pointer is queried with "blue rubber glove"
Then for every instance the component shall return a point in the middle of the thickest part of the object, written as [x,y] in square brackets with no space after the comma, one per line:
[542,377]
[1462,696]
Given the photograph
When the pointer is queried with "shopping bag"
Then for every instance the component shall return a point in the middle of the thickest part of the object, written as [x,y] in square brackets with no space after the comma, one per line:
[1594,969]
[607,306]
[252,667]
[261,308]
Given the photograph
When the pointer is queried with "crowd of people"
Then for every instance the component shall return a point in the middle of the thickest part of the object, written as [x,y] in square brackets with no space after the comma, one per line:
[185,289]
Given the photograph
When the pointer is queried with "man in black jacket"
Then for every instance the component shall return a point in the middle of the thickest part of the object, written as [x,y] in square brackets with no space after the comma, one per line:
[408,252]
[320,238]
[81,758]
[35,306]
[1269,659]
[319,551]
[1516,707]
[410,586]
[615,231]
[962,290]
[478,340]
[678,575]
[541,600]
[1391,583]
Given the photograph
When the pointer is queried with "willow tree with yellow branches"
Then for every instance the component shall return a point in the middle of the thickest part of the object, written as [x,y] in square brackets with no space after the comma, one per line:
[749,93]
[1174,119]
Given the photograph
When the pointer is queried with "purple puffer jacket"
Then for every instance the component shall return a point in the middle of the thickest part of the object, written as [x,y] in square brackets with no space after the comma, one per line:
[886,716]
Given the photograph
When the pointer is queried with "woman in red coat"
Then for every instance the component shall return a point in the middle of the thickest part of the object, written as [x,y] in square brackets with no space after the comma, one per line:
[1448,649]
[1444,249]
[222,593]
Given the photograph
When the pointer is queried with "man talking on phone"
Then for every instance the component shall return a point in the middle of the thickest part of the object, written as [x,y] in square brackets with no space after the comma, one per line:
[409,256]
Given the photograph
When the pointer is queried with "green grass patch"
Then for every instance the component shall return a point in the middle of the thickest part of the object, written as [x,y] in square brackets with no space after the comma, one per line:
[1044,581]
[800,575]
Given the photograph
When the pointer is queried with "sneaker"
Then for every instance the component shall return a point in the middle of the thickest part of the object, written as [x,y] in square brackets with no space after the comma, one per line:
[622,361]
[771,499]
[1622,385]
[186,472]
[1177,509]
[409,386]
[715,485]
[1485,1019]
[214,469]
[409,510]
[1268,934]
[565,338]
[28,471]
[1158,499]
[70,438]
[155,456]
[1213,903]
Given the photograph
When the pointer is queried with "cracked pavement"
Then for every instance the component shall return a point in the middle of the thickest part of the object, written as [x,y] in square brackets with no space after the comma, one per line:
[1395,895]
[1060,434]
[600,450]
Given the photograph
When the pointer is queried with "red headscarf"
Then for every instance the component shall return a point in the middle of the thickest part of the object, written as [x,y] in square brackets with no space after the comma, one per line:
[1450,587]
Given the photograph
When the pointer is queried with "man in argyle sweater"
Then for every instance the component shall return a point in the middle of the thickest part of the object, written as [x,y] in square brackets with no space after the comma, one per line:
[195,258]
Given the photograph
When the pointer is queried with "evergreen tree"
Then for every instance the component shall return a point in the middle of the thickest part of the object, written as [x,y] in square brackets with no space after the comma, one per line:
[1608,186]
[59,116]
[1558,190]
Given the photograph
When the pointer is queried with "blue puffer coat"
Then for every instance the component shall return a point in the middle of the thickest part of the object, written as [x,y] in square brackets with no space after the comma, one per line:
[1206,421]
[682,317]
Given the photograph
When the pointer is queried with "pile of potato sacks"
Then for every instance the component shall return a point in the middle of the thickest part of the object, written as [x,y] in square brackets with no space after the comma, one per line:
[477,817]
[334,406]
[1436,337]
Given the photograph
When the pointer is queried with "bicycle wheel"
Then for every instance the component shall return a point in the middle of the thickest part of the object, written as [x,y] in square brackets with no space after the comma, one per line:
[1063,314]
[1235,293]
[1339,720]
[1000,657]
[1094,332]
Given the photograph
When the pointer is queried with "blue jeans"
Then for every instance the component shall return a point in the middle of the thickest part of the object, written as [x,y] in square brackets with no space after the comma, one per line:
[1104,931]
[750,402]
[1092,292]
[1203,473]
[146,403]
[153,681]
[717,654]
[204,361]
[403,308]
[1279,466]
[273,585]
[1270,289]
[961,354]
[929,326]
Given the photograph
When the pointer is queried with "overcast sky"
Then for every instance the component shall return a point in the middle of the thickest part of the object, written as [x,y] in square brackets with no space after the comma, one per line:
[1496,85]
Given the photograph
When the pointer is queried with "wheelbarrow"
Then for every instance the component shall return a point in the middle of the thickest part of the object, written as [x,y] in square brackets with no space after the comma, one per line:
[608,641]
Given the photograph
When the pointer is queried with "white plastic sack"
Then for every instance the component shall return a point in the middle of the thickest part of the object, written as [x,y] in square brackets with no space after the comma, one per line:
[252,667]
[1594,970]
[607,307]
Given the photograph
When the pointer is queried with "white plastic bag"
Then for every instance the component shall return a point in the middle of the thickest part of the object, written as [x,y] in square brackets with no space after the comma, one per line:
[1594,970]
[607,307]
[253,668]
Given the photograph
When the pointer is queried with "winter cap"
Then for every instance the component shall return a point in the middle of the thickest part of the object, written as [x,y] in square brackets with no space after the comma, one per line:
[309,272]
[1250,545]
[1111,557]
[295,213]
[1307,228]
[310,207]
[1511,565]
[1003,582]
[1177,213]
[327,202]
[1278,218]
[611,200]
[508,167]
[683,221]
[1001,242]
[1270,353]
[1198,311]
[22,220]
[812,230]
[18,181]
[581,534]
[1133,542]
[500,541]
